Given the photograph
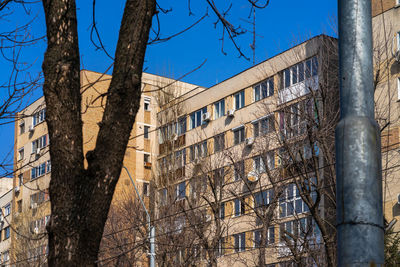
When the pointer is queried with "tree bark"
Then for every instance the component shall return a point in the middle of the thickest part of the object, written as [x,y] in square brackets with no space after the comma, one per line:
[80,198]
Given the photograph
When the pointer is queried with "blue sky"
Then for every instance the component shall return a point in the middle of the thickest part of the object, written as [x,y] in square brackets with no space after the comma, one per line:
[281,25]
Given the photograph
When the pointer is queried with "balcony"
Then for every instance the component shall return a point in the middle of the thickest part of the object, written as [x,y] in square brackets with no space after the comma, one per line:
[297,90]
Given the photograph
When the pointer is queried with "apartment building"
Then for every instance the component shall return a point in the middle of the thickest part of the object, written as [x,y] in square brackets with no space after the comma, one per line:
[243,169]
[386,37]
[5,220]
[30,198]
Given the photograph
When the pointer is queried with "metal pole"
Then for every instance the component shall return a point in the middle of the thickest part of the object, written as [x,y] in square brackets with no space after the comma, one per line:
[152,229]
[358,171]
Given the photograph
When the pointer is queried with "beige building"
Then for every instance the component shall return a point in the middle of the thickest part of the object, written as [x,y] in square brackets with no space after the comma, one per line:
[31,203]
[5,220]
[226,164]
[386,31]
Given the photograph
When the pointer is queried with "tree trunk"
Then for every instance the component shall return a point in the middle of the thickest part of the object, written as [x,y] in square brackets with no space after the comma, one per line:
[80,198]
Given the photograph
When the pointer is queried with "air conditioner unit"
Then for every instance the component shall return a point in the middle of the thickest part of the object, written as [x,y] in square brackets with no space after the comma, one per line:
[16,189]
[252,177]
[205,116]
[31,128]
[231,113]
[34,205]
[397,56]
[249,141]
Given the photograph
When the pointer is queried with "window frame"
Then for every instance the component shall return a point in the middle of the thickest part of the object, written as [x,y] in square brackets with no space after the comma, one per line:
[258,89]
[196,118]
[219,109]
[259,129]
[38,117]
[239,100]
[146,130]
[270,238]
[220,140]
[146,103]
[181,194]
[7,209]
[241,136]
[239,207]
[240,242]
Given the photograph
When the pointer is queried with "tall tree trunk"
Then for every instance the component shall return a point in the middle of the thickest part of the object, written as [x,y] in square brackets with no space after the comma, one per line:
[80,198]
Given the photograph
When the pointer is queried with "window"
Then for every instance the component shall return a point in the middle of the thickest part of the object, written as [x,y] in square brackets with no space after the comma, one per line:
[219,142]
[196,118]
[299,72]
[398,34]
[198,150]
[264,126]
[7,209]
[39,197]
[219,176]
[146,132]
[240,242]
[181,191]
[6,256]
[180,158]
[163,195]
[293,119]
[304,227]
[38,171]
[20,179]
[290,202]
[239,170]
[39,143]
[219,109]
[146,158]
[48,166]
[269,239]
[146,189]
[263,89]
[22,127]
[222,211]
[240,207]
[6,232]
[398,88]
[270,158]
[239,100]
[238,135]
[39,116]
[146,103]
[221,246]
[21,154]
[258,165]
[181,126]
[263,198]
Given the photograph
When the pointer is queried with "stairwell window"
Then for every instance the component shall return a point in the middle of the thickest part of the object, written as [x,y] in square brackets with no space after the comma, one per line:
[219,142]
[146,132]
[146,101]
[240,207]
[239,100]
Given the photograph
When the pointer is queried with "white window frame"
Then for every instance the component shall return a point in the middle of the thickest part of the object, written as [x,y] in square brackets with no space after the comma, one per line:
[178,191]
[240,239]
[146,189]
[219,109]
[237,129]
[22,127]
[242,100]
[398,87]
[291,200]
[146,132]
[257,89]
[242,207]
[38,117]
[21,153]
[146,102]
[270,236]
[7,209]
[194,118]
[41,142]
